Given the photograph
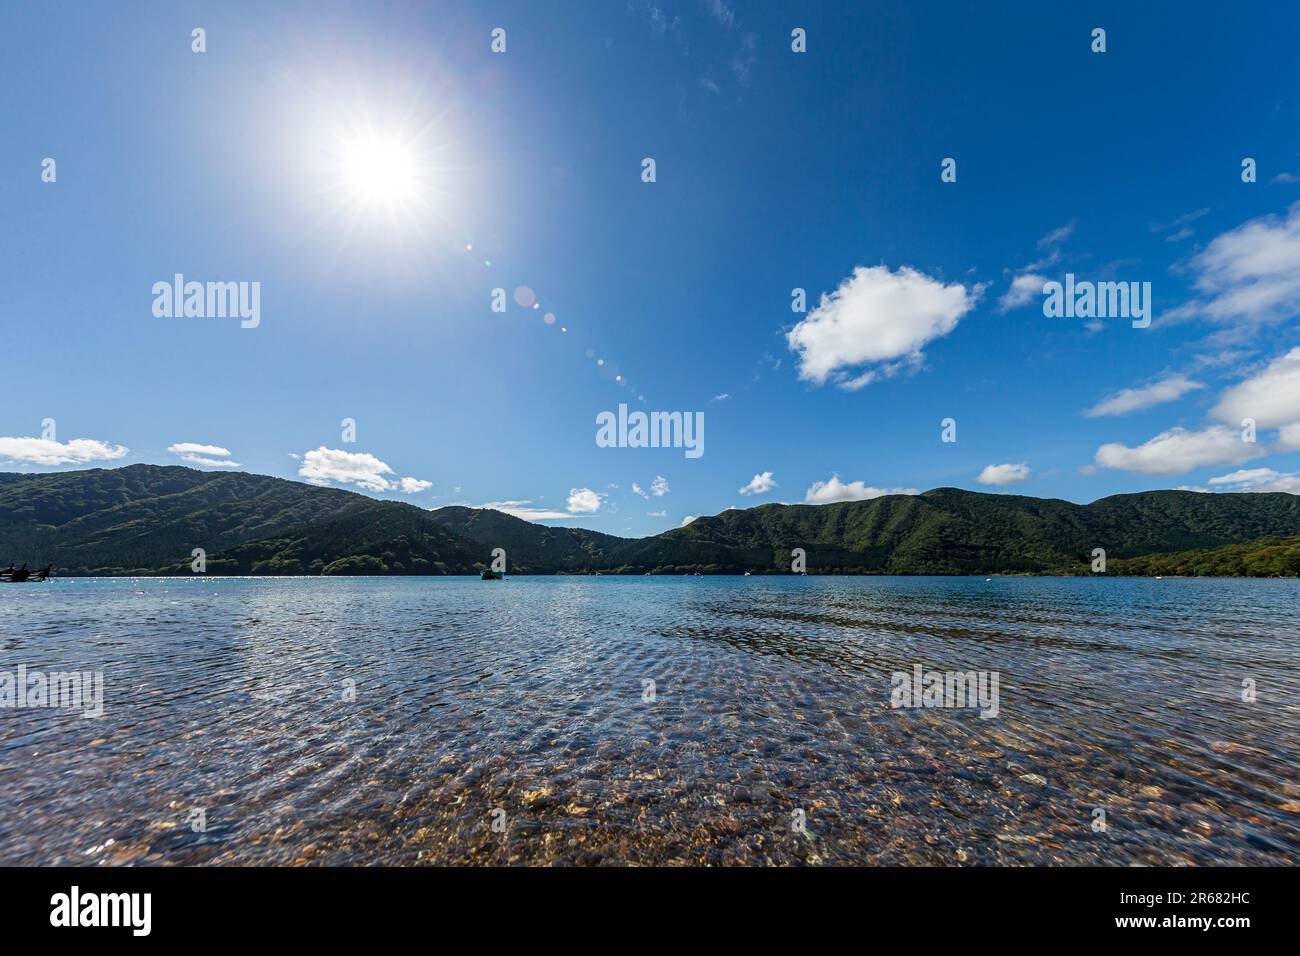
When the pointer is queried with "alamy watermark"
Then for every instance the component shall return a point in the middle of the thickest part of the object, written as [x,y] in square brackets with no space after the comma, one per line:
[130,910]
[651,430]
[70,690]
[211,300]
[1098,300]
[949,689]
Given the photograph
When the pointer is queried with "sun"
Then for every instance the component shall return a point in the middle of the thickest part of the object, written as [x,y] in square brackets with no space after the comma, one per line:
[378,169]
[381,172]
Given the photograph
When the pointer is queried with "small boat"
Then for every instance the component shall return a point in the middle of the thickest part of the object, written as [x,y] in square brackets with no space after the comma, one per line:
[12,575]
[746,574]
[487,574]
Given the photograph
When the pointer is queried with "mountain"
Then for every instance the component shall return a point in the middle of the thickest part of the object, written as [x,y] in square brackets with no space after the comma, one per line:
[531,548]
[147,519]
[1266,558]
[379,537]
[950,531]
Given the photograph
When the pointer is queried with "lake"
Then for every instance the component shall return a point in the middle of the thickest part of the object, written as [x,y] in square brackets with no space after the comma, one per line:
[653,720]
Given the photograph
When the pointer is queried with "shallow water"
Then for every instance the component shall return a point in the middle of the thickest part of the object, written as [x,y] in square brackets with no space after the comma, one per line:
[524,702]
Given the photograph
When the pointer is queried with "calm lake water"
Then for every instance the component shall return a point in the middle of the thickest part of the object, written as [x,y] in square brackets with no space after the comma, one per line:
[381,720]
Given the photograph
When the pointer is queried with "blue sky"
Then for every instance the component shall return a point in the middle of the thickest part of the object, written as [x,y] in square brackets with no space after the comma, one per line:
[774,170]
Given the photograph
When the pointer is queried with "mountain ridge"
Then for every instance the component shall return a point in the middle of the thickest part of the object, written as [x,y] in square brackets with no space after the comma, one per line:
[148,519]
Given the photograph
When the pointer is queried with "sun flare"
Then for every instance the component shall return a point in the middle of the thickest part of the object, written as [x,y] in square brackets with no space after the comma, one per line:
[381,170]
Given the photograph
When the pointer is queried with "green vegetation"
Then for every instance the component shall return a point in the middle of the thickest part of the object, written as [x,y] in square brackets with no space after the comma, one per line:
[146,519]
[1266,558]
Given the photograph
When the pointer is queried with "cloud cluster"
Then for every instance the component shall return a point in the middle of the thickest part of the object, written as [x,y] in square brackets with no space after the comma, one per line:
[1180,228]
[1027,283]
[877,321]
[1003,474]
[759,484]
[1023,290]
[1248,276]
[412,486]
[205,456]
[1271,397]
[524,509]
[584,501]
[828,492]
[1254,480]
[324,465]
[658,488]
[1168,389]
[47,451]
[1252,273]
[1179,450]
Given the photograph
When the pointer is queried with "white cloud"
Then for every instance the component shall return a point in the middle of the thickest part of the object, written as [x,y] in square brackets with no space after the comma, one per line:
[1023,290]
[658,488]
[194,448]
[1271,397]
[1178,450]
[47,451]
[205,462]
[205,456]
[1288,438]
[1248,476]
[323,465]
[523,509]
[876,319]
[1003,474]
[1287,484]
[1252,273]
[1168,389]
[826,492]
[759,484]
[656,514]
[1028,282]
[687,520]
[1182,220]
[722,397]
[1057,235]
[1259,480]
[412,486]
[584,501]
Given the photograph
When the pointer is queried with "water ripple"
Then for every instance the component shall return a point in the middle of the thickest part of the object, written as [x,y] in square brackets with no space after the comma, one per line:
[392,720]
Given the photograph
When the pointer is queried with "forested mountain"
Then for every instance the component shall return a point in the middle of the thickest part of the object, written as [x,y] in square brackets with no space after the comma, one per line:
[532,548]
[147,519]
[1266,558]
[950,531]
